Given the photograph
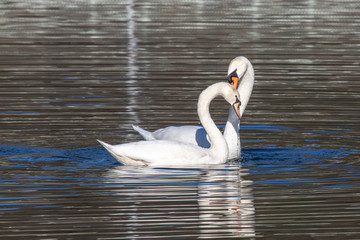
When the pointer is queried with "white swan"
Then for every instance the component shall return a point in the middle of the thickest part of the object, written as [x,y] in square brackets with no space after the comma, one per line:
[170,153]
[241,76]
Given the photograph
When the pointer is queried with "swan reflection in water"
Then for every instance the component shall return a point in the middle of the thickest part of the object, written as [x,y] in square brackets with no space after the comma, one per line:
[206,202]
[226,204]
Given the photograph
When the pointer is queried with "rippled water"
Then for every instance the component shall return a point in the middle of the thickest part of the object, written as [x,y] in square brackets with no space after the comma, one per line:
[72,72]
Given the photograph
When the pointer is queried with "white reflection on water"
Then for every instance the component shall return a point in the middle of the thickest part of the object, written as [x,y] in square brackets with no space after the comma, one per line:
[131,79]
[226,204]
[211,202]
[132,43]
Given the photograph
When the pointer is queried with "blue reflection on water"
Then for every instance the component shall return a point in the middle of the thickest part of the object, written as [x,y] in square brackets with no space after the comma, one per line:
[76,159]
[88,158]
[63,169]
[287,157]
[267,127]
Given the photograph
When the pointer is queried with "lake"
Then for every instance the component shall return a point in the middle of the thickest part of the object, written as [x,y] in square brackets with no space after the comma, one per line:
[72,72]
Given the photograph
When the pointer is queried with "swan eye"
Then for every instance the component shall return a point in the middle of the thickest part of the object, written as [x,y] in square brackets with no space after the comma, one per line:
[233,79]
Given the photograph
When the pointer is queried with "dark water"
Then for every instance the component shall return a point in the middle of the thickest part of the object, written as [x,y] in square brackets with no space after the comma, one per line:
[75,71]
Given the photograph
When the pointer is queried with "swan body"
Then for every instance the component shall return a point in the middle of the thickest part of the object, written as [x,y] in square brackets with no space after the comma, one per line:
[177,133]
[241,76]
[172,153]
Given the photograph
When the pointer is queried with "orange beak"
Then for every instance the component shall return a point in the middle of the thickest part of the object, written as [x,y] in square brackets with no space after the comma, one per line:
[235,82]
[233,79]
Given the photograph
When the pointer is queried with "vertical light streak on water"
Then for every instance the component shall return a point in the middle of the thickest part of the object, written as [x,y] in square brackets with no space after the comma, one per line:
[131,81]
[132,43]
[93,17]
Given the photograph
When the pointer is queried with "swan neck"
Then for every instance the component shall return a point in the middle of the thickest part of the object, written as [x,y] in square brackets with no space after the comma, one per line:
[218,145]
[245,87]
[232,135]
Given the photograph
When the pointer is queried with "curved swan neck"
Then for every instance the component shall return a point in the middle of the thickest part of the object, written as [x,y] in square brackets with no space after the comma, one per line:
[217,141]
[246,86]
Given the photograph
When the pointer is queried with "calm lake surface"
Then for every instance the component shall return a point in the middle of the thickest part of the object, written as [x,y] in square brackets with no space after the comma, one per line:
[72,72]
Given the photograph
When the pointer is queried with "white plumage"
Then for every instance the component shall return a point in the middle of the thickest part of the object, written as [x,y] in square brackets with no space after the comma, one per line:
[239,67]
[172,153]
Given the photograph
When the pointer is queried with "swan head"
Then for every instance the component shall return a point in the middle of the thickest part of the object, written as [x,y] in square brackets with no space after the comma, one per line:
[236,70]
[227,91]
[232,96]
[241,76]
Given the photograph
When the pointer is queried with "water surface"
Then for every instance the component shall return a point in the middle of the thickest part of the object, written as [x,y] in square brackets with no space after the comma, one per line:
[72,72]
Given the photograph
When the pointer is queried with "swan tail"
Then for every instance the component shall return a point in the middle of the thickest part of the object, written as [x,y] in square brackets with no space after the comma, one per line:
[120,157]
[108,147]
[148,136]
